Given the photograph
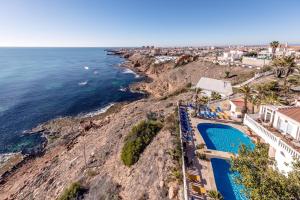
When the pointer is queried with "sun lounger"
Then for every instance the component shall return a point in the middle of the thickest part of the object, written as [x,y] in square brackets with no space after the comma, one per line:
[195,178]
[220,115]
[215,115]
[198,189]
[225,116]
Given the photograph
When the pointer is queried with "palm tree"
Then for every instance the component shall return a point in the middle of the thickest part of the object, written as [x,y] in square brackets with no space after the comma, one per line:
[289,64]
[261,93]
[272,98]
[215,195]
[255,100]
[279,64]
[227,73]
[198,91]
[246,91]
[274,45]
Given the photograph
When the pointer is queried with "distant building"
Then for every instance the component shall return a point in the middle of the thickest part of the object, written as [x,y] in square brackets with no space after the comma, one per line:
[279,126]
[231,56]
[254,61]
[155,52]
[209,85]
[164,59]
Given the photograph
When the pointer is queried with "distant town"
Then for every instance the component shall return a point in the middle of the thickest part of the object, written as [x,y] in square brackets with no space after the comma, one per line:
[244,56]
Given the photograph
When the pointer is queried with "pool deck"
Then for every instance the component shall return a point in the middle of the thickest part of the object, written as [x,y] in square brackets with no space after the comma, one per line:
[200,167]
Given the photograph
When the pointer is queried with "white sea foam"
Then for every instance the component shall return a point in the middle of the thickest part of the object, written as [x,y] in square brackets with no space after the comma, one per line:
[123,89]
[86,67]
[136,91]
[96,72]
[100,111]
[83,83]
[129,71]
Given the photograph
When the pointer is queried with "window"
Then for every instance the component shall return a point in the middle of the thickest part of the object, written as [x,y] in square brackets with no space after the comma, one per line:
[281,125]
[290,128]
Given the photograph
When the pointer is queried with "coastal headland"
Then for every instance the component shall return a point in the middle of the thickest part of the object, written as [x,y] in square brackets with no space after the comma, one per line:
[87,149]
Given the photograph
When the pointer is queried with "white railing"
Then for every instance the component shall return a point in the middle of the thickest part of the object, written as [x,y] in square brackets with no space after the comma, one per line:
[289,149]
[256,76]
[269,137]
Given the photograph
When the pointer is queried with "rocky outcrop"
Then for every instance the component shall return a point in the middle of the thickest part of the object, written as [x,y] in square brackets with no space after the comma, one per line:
[167,78]
[87,149]
[92,157]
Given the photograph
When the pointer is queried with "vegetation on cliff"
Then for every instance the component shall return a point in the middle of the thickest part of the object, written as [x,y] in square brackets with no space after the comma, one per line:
[74,191]
[138,139]
[261,181]
[172,124]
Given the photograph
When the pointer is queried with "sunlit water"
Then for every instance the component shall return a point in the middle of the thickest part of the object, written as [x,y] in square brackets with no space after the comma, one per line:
[39,84]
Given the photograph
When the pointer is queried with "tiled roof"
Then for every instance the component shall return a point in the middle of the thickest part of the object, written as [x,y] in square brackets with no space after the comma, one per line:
[240,103]
[291,112]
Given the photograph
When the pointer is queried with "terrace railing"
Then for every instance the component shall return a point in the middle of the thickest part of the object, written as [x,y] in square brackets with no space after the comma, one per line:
[275,141]
[265,134]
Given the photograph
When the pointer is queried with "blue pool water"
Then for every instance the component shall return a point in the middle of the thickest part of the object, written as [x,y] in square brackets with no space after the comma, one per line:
[224,138]
[39,84]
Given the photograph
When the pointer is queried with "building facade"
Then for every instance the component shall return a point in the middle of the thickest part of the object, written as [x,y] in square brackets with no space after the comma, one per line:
[279,126]
[253,61]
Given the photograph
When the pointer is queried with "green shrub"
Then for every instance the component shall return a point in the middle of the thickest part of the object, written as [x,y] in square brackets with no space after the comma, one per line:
[138,139]
[215,96]
[91,173]
[177,174]
[72,192]
[200,146]
[201,156]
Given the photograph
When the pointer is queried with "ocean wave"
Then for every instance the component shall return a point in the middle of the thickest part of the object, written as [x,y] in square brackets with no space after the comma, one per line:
[83,83]
[137,91]
[100,111]
[123,89]
[86,67]
[129,71]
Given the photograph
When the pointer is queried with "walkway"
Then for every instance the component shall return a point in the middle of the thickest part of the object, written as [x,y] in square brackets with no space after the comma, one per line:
[216,154]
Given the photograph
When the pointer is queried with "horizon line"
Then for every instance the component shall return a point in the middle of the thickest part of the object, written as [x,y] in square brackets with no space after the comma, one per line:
[163,46]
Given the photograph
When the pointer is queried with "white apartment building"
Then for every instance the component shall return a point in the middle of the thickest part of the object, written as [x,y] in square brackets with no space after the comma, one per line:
[209,85]
[231,56]
[279,126]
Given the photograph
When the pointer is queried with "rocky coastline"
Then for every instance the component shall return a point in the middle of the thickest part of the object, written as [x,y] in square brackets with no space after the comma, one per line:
[87,148]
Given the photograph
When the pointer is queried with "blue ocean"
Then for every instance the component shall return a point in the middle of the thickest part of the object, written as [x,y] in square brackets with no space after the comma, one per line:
[40,84]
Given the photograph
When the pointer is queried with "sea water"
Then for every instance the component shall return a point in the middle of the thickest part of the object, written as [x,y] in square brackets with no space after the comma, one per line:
[39,84]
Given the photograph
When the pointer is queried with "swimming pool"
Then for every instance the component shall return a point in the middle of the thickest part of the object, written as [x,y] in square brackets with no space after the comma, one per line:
[224,138]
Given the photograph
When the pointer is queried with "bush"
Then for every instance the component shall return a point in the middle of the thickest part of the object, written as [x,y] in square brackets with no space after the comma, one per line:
[215,96]
[200,146]
[194,114]
[201,156]
[73,192]
[138,139]
[227,73]
[265,69]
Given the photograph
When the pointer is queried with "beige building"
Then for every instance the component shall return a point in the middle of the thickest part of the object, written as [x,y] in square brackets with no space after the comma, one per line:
[256,62]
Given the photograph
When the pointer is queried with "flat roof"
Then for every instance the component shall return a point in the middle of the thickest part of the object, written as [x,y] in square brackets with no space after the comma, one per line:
[220,86]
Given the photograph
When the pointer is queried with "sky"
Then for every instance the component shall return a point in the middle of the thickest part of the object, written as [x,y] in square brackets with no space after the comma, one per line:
[110,23]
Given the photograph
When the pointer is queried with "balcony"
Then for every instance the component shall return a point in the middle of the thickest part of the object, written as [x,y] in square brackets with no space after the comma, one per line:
[272,136]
